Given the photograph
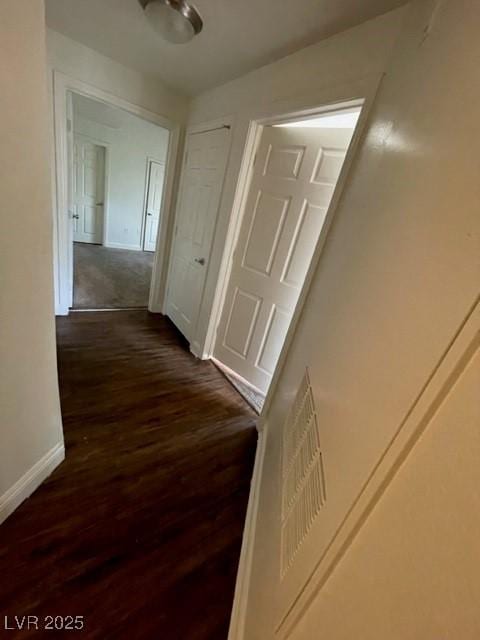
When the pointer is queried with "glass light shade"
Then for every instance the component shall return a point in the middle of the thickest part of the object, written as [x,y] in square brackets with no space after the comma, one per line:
[168,21]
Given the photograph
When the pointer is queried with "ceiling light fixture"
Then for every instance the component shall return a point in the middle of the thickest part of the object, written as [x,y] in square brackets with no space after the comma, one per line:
[176,21]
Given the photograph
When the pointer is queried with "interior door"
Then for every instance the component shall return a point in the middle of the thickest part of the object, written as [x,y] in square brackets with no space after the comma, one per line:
[202,181]
[294,177]
[88,190]
[70,196]
[156,175]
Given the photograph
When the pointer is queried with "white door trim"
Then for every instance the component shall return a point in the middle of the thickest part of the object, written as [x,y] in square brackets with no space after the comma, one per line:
[62,227]
[207,125]
[357,93]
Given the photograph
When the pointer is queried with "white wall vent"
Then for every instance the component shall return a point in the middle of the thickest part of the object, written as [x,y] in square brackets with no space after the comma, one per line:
[303,477]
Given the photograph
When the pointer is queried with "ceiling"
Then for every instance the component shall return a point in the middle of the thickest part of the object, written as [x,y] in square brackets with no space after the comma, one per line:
[238,35]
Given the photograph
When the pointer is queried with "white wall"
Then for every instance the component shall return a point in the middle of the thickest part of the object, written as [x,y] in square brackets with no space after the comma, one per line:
[85,64]
[131,141]
[399,275]
[30,421]
[299,80]
[412,572]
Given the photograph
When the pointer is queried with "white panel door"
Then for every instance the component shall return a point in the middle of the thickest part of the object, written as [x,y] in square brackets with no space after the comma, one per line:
[88,190]
[293,181]
[156,175]
[70,186]
[202,181]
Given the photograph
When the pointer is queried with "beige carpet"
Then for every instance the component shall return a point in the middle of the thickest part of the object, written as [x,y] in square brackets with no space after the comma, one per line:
[110,278]
[255,399]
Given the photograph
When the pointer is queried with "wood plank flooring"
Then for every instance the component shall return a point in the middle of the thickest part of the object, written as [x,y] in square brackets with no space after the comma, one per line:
[139,530]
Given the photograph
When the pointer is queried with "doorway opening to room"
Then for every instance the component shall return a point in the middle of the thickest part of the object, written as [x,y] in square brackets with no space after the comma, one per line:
[116,168]
[297,168]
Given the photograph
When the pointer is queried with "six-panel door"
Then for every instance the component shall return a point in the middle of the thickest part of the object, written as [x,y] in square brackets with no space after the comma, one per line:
[205,162]
[88,190]
[293,181]
[156,174]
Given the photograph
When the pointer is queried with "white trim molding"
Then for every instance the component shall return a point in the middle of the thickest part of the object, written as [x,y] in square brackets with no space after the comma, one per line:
[240,602]
[30,481]
[63,255]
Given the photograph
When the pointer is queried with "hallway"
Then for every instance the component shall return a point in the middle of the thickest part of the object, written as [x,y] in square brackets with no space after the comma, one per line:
[139,530]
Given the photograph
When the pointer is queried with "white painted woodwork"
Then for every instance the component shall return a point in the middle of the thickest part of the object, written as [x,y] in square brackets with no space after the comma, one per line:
[88,190]
[31,480]
[70,114]
[156,175]
[293,181]
[202,181]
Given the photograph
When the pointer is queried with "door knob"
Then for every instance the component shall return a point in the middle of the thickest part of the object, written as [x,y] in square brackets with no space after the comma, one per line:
[149,214]
[76,216]
[200,261]
[99,204]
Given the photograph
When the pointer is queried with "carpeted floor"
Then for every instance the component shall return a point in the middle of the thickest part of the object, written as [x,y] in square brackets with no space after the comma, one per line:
[110,278]
[255,399]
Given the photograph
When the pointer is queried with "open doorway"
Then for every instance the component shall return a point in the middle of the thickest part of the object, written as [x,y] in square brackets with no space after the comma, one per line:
[117,170]
[296,166]
[144,240]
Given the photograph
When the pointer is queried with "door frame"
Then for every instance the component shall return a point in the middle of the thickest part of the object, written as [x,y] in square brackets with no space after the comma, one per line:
[106,182]
[63,245]
[201,127]
[150,159]
[358,93]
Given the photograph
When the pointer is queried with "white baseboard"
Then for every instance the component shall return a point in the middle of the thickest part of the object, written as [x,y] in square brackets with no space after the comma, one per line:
[156,308]
[30,481]
[61,311]
[197,352]
[242,586]
[119,245]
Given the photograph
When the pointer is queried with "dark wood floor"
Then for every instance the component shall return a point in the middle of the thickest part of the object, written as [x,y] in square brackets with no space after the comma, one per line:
[140,529]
